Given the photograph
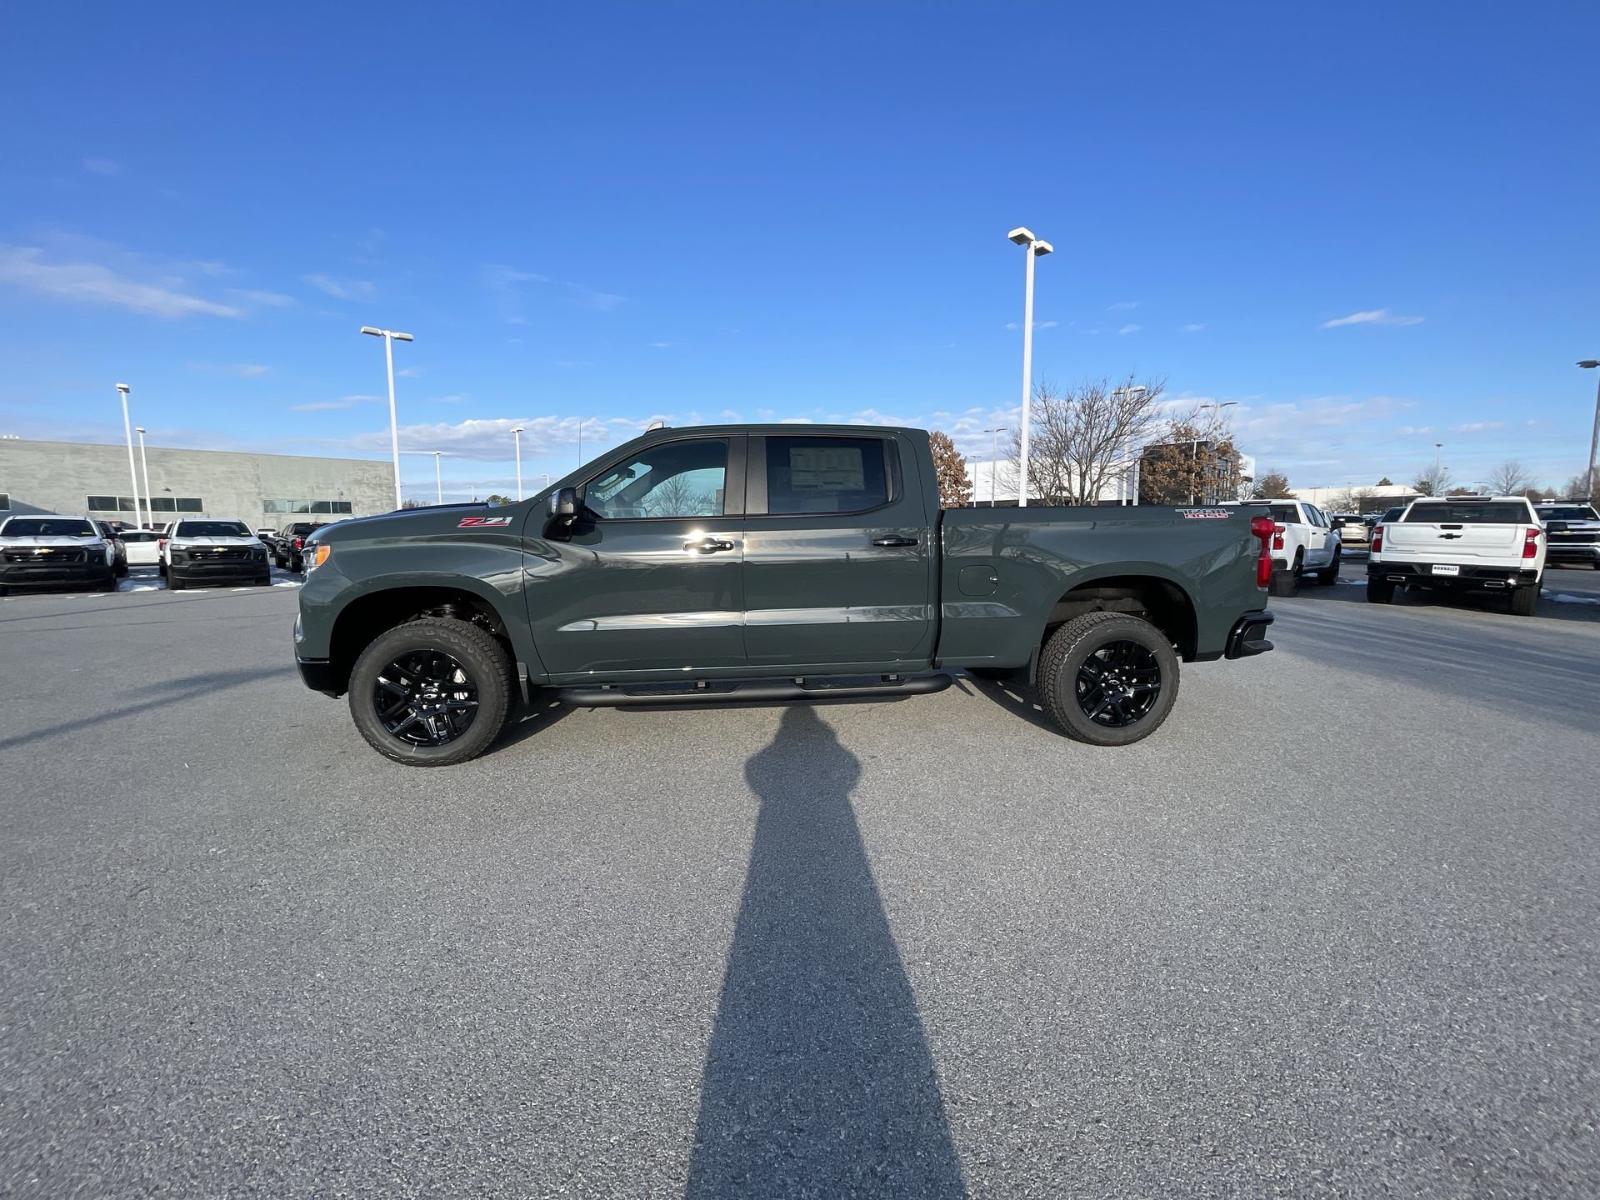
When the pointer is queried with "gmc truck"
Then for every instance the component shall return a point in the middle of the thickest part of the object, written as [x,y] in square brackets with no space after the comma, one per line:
[767,562]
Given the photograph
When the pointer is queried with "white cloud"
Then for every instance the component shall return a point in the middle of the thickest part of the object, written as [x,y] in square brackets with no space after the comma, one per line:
[342,402]
[1036,325]
[1123,306]
[1127,329]
[408,372]
[506,283]
[660,345]
[1192,327]
[1480,426]
[261,299]
[102,166]
[489,439]
[342,289]
[1371,316]
[26,268]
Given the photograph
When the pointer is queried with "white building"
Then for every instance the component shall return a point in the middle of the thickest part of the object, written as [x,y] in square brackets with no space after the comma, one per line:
[996,483]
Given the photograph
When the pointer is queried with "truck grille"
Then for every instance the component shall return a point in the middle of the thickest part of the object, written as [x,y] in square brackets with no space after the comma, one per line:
[48,558]
[220,554]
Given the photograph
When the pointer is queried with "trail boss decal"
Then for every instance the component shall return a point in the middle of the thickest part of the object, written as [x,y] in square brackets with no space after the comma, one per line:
[483,522]
[1204,514]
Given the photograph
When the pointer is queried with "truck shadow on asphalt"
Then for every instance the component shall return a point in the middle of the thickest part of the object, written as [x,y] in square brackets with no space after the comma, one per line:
[818,1080]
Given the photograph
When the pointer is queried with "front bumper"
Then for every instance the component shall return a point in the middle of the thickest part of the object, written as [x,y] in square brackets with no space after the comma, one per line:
[1470,576]
[1249,635]
[1584,552]
[317,674]
[48,574]
[192,570]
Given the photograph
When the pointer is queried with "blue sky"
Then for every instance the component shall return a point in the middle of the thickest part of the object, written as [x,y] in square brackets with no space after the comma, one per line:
[1371,225]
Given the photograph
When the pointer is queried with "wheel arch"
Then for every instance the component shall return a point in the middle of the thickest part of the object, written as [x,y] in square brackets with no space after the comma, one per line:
[1159,599]
[374,612]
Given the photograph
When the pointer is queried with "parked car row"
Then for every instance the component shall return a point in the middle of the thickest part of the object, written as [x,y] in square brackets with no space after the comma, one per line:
[48,550]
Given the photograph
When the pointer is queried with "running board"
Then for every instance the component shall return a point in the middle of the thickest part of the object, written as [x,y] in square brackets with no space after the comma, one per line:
[798,687]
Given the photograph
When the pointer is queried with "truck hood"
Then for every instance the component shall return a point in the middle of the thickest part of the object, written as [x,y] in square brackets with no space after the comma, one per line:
[51,540]
[436,519]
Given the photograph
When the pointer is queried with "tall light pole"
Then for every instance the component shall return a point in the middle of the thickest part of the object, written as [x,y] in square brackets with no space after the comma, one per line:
[517,434]
[1023,236]
[1194,450]
[1590,364]
[994,457]
[127,432]
[390,337]
[1437,446]
[145,464]
[1132,393]
[438,479]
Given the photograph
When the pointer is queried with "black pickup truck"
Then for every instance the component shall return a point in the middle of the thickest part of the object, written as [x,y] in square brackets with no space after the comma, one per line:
[767,562]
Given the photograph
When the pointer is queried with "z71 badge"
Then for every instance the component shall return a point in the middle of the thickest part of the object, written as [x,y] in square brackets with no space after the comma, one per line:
[1204,514]
[483,522]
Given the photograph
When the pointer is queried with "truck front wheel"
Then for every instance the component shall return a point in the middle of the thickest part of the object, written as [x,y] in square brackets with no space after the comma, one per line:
[432,692]
[1108,678]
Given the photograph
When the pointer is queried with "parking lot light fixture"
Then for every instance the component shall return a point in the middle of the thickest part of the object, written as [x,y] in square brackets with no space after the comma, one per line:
[127,432]
[517,435]
[144,464]
[1590,364]
[390,337]
[438,479]
[1023,236]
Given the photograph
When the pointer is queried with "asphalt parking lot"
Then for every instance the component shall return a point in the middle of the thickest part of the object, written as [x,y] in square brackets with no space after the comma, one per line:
[1332,931]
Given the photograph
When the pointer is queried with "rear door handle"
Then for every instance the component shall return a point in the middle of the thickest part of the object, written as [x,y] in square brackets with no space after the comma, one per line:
[894,541]
[708,545]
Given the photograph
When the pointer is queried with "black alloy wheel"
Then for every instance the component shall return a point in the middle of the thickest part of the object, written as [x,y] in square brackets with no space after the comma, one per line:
[1118,684]
[426,698]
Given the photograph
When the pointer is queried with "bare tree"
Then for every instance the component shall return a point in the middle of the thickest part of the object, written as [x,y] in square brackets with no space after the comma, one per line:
[950,469]
[1435,481]
[1510,478]
[1576,487]
[1274,485]
[1085,438]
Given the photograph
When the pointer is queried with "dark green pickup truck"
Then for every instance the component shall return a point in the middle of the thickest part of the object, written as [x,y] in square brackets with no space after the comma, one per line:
[767,562]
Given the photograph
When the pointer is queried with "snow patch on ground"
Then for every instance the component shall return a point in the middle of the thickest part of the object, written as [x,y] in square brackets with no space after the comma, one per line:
[1569,598]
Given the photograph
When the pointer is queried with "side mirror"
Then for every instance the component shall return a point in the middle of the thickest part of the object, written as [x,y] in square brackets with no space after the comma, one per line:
[564,505]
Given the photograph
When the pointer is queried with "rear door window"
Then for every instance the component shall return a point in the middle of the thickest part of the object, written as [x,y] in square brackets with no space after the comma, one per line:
[1445,513]
[825,474]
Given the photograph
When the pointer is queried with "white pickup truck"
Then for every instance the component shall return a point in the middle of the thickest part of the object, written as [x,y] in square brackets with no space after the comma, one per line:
[1458,544]
[1304,541]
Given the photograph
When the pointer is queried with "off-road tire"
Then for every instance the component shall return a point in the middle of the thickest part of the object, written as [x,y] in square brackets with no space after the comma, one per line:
[1284,583]
[174,584]
[1525,600]
[1380,591]
[483,658]
[264,580]
[1067,650]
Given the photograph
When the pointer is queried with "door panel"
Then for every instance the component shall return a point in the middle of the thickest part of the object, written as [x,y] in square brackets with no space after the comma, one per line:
[626,592]
[833,588]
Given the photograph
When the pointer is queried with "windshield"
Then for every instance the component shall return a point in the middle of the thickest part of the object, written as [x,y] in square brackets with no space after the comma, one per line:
[1467,513]
[47,527]
[211,529]
[1569,512]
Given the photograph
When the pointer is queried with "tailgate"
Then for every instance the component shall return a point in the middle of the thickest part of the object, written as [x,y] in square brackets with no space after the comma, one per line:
[1452,542]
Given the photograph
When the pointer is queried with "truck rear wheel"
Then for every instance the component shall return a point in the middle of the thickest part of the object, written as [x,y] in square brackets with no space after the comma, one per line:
[1380,591]
[1525,600]
[431,693]
[1109,679]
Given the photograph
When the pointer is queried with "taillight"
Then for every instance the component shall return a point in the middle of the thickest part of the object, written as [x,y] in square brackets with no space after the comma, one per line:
[161,544]
[1277,537]
[1530,543]
[1262,528]
[299,543]
[1377,540]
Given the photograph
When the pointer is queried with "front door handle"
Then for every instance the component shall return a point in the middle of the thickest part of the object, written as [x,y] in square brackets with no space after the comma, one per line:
[708,545]
[894,541]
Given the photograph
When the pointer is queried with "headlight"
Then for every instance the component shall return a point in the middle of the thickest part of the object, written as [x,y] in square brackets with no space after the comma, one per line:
[314,555]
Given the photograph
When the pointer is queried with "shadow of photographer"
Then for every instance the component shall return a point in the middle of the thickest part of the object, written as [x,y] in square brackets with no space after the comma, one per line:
[819,1080]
